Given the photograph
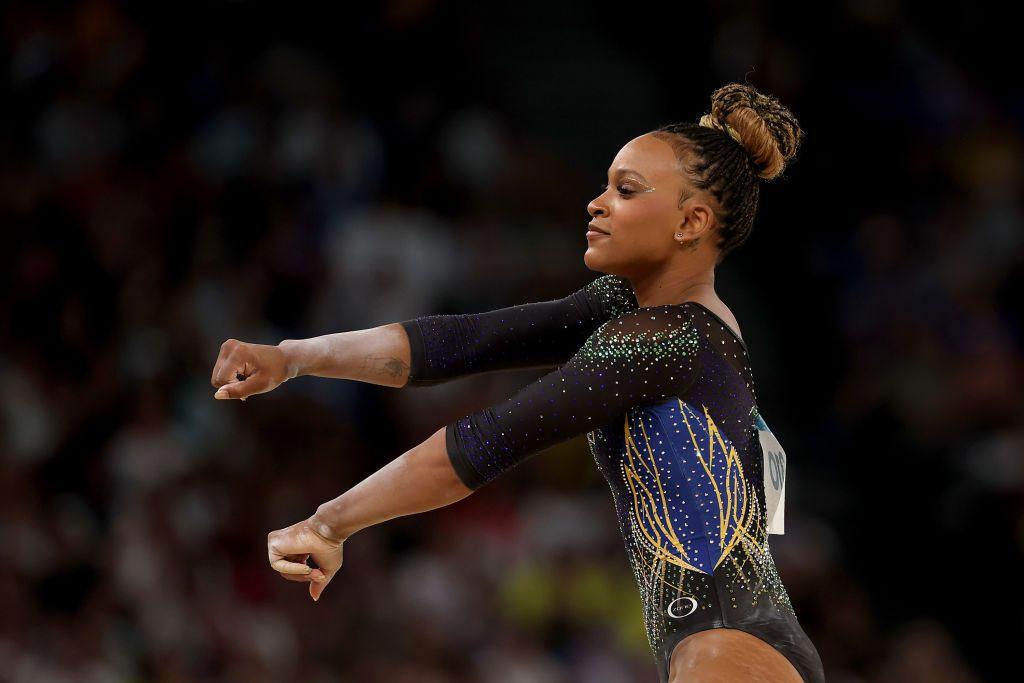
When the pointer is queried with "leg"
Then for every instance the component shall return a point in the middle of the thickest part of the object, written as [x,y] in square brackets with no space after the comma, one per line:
[728,655]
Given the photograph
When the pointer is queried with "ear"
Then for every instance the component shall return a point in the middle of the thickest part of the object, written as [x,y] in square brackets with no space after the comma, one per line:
[697,220]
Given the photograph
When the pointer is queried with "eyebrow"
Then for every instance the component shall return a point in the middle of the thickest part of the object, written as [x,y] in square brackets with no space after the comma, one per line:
[629,170]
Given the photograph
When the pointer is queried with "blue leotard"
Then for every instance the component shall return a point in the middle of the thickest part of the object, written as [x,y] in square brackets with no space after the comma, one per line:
[666,397]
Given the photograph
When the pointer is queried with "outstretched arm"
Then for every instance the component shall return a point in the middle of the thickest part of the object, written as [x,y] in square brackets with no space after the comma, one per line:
[430,349]
[378,355]
[420,479]
[541,334]
[642,356]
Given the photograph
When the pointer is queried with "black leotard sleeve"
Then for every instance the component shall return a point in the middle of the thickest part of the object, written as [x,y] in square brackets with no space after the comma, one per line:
[542,334]
[642,356]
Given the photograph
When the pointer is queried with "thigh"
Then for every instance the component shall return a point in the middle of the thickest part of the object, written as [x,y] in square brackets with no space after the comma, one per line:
[729,655]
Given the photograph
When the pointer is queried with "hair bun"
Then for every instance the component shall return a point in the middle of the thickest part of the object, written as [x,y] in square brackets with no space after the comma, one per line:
[766,129]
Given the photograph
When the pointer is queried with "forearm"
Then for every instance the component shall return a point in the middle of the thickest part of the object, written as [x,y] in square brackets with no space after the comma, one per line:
[448,346]
[530,335]
[419,480]
[379,355]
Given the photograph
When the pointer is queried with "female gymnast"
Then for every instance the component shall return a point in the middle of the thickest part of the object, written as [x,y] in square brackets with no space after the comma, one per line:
[647,361]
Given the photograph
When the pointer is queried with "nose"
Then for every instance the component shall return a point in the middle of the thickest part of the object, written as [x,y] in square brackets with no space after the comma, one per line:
[595,208]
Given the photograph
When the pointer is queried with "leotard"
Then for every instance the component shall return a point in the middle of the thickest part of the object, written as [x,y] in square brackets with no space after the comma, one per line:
[666,397]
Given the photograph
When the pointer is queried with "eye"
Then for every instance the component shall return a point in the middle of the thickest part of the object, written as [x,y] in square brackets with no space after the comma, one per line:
[624,191]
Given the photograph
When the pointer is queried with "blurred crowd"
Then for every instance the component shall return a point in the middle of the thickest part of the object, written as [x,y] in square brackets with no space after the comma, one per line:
[172,179]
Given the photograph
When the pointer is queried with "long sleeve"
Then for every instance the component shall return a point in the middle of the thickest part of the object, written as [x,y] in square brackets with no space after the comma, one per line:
[636,358]
[541,334]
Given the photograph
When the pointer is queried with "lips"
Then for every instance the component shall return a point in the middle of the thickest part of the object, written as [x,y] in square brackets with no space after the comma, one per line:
[591,226]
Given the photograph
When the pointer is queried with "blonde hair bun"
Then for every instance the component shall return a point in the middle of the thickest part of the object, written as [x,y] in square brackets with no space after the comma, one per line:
[766,129]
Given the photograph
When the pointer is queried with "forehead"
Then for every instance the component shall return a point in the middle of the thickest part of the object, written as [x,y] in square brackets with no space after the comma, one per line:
[653,158]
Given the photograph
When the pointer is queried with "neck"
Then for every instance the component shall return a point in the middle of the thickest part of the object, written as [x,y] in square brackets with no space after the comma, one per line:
[673,286]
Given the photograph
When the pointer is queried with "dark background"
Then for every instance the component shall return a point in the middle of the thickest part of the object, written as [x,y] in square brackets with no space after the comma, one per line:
[175,176]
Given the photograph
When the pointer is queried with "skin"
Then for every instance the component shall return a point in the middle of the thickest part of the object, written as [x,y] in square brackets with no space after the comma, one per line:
[664,248]
[667,251]
[728,655]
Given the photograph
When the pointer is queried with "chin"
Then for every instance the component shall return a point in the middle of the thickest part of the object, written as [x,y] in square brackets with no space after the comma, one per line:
[593,260]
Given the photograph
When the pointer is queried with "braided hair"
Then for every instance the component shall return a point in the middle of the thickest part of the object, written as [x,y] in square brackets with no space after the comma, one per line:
[748,136]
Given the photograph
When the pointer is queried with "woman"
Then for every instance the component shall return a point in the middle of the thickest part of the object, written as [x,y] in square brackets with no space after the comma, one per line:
[648,362]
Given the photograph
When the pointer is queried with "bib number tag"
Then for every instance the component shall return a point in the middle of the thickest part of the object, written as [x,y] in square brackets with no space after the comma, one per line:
[774,478]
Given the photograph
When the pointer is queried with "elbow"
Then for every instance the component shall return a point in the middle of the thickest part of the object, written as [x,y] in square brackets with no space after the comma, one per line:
[442,471]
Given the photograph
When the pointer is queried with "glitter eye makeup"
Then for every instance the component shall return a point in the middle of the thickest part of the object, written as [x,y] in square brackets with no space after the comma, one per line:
[629,191]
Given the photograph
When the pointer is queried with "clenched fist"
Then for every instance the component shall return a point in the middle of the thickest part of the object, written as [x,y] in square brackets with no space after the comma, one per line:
[289,548]
[245,369]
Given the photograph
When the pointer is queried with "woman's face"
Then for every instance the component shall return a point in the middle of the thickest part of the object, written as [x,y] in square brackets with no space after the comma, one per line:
[640,212]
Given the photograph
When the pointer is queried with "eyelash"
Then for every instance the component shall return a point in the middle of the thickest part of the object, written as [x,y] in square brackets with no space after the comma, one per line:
[624,193]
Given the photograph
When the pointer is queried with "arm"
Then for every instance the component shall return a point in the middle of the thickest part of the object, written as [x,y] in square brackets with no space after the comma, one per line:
[430,349]
[642,356]
[379,355]
[419,480]
[541,334]
[637,358]
[435,348]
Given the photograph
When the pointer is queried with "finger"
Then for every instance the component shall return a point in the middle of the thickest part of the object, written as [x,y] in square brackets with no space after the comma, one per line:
[292,568]
[227,371]
[314,576]
[235,389]
[254,384]
[285,557]
[221,371]
[282,547]
[316,588]
[220,374]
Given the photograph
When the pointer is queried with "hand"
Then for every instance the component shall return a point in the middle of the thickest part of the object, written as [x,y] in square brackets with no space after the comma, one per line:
[245,369]
[289,548]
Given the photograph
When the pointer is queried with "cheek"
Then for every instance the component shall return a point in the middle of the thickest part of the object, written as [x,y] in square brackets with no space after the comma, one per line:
[645,226]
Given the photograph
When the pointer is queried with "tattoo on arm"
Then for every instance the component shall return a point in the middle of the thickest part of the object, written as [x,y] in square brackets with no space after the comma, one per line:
[383,366]
[395,368]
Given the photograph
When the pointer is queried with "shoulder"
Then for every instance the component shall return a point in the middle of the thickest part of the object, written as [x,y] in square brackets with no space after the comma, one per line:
[613,294]
[653,331]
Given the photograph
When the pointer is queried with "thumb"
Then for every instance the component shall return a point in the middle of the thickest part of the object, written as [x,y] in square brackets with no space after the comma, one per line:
[316,588]
[252,384]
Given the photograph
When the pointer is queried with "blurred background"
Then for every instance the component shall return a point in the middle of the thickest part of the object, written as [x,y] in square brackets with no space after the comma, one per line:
[174,176]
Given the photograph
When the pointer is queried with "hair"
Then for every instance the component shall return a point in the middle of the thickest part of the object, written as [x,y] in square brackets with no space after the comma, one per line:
[748,136]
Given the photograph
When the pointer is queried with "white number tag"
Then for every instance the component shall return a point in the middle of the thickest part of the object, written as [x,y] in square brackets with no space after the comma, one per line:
[774,478]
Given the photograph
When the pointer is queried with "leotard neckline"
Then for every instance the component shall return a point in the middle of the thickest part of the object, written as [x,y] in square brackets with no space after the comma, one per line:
[719,319]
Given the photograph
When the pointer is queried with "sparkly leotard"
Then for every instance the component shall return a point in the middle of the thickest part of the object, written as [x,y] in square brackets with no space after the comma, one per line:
[666,398]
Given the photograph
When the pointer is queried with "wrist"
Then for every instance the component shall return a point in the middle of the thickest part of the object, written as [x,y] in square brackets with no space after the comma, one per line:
[325,523]
[294,362]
